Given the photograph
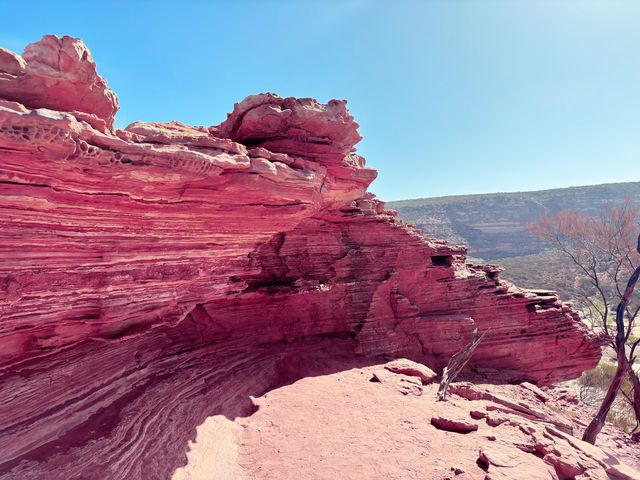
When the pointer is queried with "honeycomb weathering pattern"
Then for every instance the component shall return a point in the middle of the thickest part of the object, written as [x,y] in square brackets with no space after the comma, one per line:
[153,276]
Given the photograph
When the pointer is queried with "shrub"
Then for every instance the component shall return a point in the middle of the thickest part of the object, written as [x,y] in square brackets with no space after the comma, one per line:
[593,386]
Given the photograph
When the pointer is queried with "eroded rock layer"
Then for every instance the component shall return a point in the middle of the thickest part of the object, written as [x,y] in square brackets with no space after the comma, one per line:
[153,276]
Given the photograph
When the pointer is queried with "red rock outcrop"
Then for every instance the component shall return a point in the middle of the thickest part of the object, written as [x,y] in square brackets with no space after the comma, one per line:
[58,73]
[153,276]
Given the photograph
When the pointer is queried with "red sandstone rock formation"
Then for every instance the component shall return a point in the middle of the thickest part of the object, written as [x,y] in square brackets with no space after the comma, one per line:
[58,73]
[153,276]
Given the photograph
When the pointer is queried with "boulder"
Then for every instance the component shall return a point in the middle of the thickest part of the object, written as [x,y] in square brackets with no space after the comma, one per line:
[457,425]
[411,368]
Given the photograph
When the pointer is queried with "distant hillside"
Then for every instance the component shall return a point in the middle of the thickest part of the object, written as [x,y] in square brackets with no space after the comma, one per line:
[494,225]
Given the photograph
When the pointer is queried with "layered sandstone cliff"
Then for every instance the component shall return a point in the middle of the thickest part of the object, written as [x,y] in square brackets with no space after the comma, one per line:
[496,226]
[153,276]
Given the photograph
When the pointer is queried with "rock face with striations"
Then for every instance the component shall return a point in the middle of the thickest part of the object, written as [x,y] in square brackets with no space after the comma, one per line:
[153,276]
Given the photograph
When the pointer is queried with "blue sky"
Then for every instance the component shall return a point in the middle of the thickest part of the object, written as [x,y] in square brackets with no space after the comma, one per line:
[452,96]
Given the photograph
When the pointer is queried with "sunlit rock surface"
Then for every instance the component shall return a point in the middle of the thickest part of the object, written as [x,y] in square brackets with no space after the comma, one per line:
[58,73]
[155,276]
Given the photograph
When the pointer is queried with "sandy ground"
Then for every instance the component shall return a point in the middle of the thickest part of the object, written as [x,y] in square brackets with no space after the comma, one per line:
[342,426]
[214,454]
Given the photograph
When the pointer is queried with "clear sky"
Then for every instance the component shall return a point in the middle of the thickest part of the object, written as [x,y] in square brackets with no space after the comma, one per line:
[452,96]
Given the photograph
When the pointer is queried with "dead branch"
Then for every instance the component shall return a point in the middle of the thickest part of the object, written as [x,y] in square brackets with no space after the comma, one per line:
[457,362]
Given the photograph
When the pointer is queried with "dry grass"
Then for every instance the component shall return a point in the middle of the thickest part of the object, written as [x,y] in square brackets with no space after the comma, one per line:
[593,385]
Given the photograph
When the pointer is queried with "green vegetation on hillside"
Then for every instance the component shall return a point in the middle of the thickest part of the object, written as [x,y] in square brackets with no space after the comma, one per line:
[548,269]
[604,190]
[496,225]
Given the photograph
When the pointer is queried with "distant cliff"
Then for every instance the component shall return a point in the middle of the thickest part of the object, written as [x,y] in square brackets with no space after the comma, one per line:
[494,225]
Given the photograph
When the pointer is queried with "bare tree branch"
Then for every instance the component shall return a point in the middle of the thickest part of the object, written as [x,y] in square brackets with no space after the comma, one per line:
[457,362]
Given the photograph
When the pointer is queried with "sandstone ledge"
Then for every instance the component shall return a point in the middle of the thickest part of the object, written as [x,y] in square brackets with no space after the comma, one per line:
[145,269]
